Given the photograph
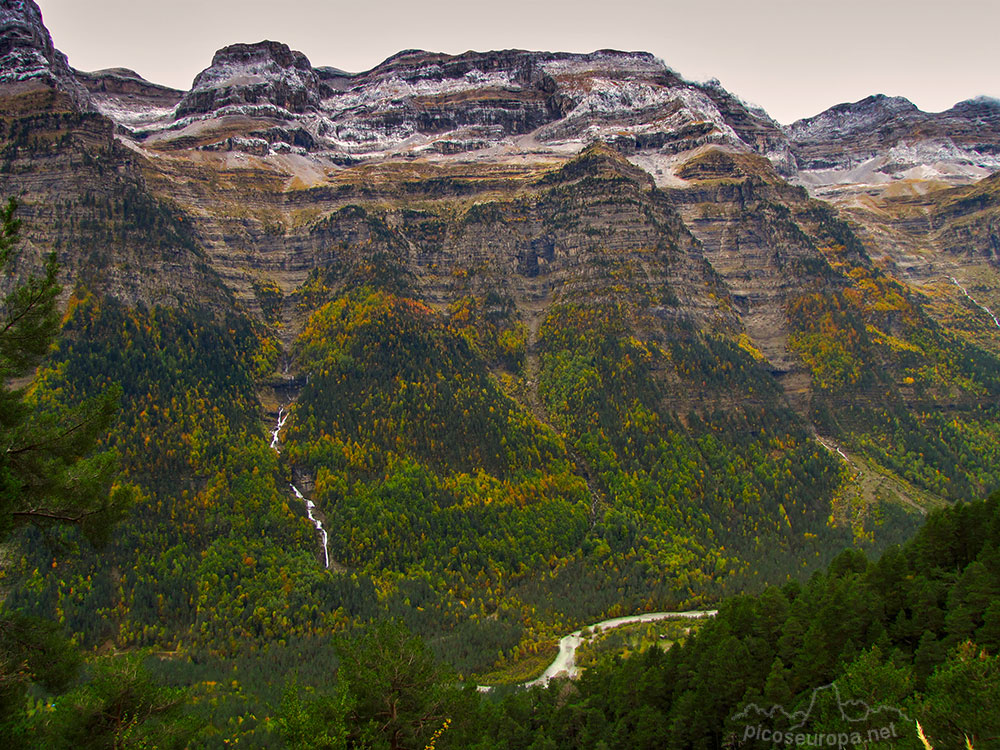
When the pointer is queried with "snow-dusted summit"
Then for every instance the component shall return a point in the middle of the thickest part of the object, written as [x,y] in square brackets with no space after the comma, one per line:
[264,98]
[242,76]
[27,55]
[881,139]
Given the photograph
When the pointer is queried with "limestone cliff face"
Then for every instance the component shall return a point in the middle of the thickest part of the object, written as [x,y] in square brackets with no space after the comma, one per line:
[82,195]
[28,59]
[539,177]
[928,235]
[967,220]
[264,75]
[127,98]
[594,228]
[920,190]
[881,139]
[865,127]
[478,98]
[739,209]
[124,82]
[944,242]
[265,98]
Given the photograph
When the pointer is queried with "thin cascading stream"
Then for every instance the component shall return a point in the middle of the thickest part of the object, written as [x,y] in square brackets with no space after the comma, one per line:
[276,432]
[310,505]
[316,522]
[973,300]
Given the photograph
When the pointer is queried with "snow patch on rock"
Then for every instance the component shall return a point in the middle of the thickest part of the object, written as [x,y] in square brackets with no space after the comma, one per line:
[29,54]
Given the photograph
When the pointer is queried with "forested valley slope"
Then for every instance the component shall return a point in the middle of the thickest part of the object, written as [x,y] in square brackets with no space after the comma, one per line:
[539,338]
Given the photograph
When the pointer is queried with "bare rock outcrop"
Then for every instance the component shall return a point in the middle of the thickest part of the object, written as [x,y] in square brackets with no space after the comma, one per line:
[247,77]
[29,60]
[881,139]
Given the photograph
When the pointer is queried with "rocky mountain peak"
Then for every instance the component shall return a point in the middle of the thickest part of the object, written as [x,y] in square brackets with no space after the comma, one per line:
[982,108]
[27,54]
[855,117]
[524,67]
[265,74]
[261,53]
[122,80]
[415,103]
[126,97]
[881,139]
[419,102]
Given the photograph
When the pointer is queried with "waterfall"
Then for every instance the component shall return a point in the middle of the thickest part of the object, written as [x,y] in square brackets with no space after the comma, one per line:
[310,505]
[316,522]
[972,299]
[282,418]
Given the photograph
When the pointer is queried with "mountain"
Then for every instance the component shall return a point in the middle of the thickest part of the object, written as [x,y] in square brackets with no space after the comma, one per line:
[882,139]
[29,63]
[264,98]
[556,337]
[127,94]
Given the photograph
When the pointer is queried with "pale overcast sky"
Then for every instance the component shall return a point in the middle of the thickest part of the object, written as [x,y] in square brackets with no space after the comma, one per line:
[793,57]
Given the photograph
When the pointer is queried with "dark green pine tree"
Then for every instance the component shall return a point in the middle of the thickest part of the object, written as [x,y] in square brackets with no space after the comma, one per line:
[399,695]
[121,706]
[50,470]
